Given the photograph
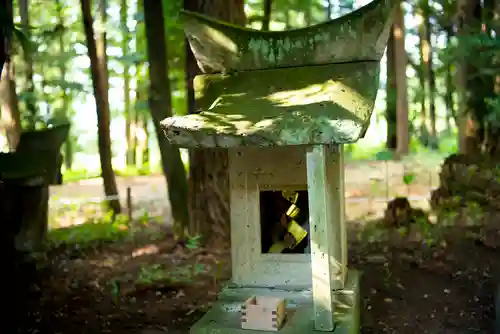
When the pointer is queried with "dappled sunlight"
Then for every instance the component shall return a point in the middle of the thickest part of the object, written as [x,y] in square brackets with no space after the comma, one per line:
[146,250]
[211,35]
[331,91]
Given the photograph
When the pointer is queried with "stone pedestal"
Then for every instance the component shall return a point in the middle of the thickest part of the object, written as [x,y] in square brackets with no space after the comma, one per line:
[224,317]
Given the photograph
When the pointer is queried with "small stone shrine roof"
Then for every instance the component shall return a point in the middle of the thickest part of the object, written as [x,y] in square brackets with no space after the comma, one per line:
[315,85]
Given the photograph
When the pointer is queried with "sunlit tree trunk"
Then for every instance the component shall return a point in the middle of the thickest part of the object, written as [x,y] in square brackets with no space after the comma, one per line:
[65,97]
[448,99]
[10,116]
[402,91]
[430,75]
[423,75]
[145,141]
[208,178]
[126,83]
[98,69]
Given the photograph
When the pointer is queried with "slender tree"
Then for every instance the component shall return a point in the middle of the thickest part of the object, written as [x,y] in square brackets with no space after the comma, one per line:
[391,91]
[98,69]
[402,90]
[29,86]
[10,116]
[160,105]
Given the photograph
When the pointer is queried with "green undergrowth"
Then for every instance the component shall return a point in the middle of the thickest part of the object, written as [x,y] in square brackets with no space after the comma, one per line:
[90,233]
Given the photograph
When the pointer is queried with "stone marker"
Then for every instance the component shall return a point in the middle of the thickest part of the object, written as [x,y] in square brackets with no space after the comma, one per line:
[284,103]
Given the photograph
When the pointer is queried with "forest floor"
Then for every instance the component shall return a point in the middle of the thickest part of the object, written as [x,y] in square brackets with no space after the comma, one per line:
[119,278]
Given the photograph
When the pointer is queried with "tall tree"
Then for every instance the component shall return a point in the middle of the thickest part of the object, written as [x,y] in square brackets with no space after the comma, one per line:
[10,116]
[29,88]
[422,72]
[470,96]
[402,90]
[68,145]
[428,59]
[5,31]
[266,20]
[160,104]
[129,157]
[208,178]
[391,91]
[98,69]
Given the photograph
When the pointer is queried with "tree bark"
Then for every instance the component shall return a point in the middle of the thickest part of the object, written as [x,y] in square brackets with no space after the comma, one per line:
[402,91]
[9,111]
[391,91]
[11,117]
[68,145]
[422,76]
[266,20]
[449,101]
[126,83]
[431,76]
[208,178]
[160,104]
[98,69]
[145,141]
[469,82]
[29,88]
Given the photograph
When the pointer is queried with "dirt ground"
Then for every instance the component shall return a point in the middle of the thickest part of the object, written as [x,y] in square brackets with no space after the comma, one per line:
[406,287]
[442,282]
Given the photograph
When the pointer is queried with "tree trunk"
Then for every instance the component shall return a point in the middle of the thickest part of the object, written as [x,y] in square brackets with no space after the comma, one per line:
[9,108]
[391,91]
[29,88]
[5,33]
[448,99]
[68,145]
[431,76]
[127,110]
[328,9]
[98,69]
[266,20]
[422,76]
[308,13]
[145,141]
[11,118]
[160,104]
[208,178]
[402,91]
[469,82]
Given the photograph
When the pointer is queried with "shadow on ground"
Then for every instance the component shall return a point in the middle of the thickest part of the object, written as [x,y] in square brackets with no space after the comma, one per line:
[149,283]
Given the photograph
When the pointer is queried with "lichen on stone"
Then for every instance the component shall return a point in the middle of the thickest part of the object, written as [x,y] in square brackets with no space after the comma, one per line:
[294,106]
[224,48]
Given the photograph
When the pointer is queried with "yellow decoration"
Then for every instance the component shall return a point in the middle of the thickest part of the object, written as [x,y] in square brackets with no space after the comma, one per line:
[293,211]
[298,232]
[290,196]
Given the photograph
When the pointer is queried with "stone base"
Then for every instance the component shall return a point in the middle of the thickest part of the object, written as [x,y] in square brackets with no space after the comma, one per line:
[224,317]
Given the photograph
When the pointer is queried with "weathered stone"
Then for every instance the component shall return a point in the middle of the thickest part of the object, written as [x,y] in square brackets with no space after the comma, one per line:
[224,317]
[220,47]
[278,107]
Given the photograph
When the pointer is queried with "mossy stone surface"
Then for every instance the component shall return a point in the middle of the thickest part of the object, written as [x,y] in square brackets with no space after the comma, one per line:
[278,107]
[221,47]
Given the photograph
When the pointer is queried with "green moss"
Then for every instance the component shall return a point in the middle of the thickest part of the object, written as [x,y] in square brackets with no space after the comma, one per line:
[223,48]
[293,106]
